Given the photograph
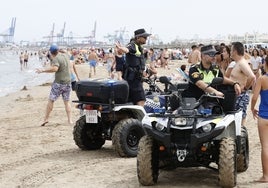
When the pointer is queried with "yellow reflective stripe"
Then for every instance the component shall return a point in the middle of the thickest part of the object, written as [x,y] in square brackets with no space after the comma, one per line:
[208,77]
[138,53]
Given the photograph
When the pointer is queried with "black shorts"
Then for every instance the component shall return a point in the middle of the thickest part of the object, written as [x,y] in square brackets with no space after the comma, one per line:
[119,68]
[73,85]
[136,93]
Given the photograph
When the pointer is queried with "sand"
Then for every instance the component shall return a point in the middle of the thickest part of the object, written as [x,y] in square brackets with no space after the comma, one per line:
[35,156]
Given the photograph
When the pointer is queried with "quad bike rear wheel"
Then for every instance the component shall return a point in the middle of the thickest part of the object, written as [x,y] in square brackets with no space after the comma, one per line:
[87,136]
[243,156]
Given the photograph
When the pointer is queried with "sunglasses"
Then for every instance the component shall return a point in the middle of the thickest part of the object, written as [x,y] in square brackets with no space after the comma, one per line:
[211,54]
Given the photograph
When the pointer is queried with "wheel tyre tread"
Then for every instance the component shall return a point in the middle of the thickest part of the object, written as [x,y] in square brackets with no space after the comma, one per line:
[119,137]
[146,171]
[243,156]
[227,163]
[81,141]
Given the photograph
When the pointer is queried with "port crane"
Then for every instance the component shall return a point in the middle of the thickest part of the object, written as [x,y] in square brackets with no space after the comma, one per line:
[8,35]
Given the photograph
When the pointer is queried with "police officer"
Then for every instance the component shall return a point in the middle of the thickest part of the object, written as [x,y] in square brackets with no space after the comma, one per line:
[202,74]
[135,66]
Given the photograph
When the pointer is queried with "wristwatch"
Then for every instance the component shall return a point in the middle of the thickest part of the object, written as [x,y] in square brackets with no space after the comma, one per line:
[236,83]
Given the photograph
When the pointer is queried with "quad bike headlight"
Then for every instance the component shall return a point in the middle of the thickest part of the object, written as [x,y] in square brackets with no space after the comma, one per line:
[207,128]
[159,126]
[180,121]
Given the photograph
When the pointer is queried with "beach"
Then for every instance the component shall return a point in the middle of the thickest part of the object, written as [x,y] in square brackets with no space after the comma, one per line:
[35,156]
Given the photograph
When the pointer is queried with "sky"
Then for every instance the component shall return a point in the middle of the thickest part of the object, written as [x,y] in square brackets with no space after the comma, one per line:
[169,19]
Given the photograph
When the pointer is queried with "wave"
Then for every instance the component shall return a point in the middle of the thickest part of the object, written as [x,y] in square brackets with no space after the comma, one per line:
[13,77]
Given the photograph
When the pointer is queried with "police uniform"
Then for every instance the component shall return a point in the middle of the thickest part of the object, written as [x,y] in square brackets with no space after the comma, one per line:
[135,65]
[198,72]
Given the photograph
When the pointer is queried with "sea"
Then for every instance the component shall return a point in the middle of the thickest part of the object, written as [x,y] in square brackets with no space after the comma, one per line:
[13,78]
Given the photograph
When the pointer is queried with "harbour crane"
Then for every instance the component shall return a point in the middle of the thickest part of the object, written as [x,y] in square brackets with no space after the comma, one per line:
[8,35]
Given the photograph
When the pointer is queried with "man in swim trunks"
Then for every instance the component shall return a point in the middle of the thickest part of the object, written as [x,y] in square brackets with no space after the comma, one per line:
[60,65]
[243,75]
[92,59]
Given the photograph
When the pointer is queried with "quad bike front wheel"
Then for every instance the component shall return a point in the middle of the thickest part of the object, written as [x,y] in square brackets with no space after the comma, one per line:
[147,161]
[243,156]
[87,136]
[227,163]
[126,136]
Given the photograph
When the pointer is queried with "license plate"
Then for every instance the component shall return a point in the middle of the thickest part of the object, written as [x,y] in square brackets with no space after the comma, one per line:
[91,116]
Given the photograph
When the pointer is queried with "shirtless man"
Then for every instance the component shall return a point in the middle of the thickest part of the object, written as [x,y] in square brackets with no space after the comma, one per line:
[92,59]
[26,58]
[21,60]
[242,74]
[195,55]
[164,57]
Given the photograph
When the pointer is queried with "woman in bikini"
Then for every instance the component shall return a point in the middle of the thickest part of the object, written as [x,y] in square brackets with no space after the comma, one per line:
[261,88]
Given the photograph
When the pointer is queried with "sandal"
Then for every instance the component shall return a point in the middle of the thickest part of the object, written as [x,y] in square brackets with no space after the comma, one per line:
[43,124]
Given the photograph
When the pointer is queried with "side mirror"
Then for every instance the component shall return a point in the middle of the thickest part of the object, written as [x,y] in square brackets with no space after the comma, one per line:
[164,80]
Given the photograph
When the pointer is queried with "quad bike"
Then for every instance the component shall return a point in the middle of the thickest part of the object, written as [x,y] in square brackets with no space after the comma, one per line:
[198,133]
[107,115]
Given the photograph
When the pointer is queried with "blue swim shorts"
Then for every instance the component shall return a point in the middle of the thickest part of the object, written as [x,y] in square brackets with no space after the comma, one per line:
[242,102]
[93,63]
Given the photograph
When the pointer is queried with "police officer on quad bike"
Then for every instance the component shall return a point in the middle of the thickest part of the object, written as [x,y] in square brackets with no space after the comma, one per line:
[202,74]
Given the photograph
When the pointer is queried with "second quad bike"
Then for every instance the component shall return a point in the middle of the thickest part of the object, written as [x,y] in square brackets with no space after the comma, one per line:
[107,115]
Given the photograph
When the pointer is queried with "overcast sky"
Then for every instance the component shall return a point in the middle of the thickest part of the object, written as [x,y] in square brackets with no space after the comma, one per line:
[169,19]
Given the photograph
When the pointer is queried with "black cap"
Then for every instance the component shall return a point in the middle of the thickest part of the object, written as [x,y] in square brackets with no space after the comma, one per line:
[141,33]
[209,50]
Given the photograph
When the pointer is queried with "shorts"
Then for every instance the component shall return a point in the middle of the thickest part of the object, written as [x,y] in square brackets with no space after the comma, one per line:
[73,85]
[60,89]
[136,92]
[242,102]
[92,63]
[119,67]
[73,78]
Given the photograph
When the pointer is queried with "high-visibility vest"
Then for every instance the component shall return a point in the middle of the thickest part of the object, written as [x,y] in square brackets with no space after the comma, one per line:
[208,75]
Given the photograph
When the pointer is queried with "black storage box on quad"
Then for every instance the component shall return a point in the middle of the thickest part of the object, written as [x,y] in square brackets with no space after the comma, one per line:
[102,91]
